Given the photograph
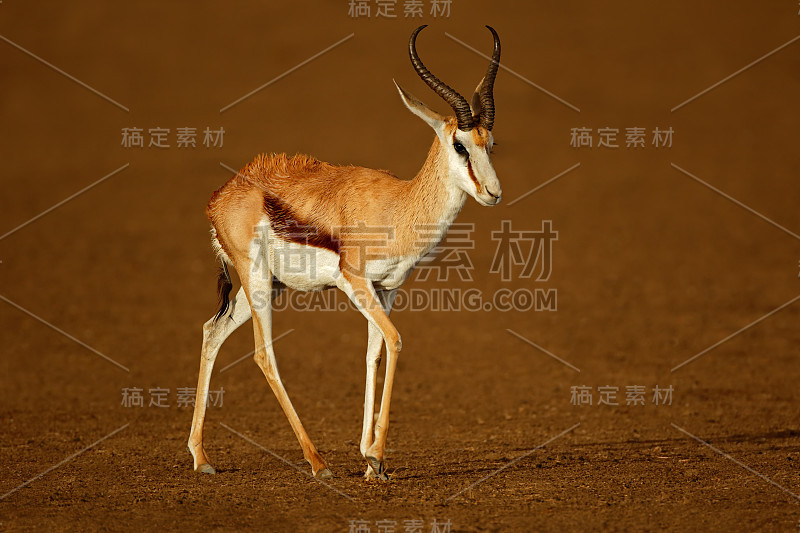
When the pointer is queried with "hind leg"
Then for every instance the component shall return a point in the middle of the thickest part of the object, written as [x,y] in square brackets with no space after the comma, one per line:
[214,334]
[265,359]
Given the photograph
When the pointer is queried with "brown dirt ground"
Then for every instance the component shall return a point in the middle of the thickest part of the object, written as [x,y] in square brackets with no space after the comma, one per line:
[651,267]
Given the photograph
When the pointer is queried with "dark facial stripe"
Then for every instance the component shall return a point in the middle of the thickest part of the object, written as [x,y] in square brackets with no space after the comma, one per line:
[286,225]
[469,169]
[472,175]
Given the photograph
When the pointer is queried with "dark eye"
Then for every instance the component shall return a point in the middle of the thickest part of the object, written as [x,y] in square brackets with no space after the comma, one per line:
[459,148]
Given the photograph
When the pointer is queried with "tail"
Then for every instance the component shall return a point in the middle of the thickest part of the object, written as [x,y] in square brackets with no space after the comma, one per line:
[224,286]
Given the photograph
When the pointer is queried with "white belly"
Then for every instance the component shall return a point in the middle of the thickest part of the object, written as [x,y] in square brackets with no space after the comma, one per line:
[299,266]
[307,268]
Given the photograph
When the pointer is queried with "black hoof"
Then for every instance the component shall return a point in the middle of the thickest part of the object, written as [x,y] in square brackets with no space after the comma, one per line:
[205,469]
[323,474]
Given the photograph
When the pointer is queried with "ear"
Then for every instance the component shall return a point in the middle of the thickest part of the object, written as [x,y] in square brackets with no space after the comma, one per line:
[476,99]
[431,117]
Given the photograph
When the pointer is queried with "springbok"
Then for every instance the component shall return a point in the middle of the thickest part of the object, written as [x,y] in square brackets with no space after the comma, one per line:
[279,207]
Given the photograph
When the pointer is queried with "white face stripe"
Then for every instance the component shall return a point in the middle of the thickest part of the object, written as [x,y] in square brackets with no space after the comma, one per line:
[475,175]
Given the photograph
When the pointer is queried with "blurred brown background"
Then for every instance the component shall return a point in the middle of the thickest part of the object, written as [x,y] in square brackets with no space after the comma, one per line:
[651,268]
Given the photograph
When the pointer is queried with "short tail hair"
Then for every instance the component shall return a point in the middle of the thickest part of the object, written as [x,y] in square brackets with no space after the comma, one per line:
[224,286]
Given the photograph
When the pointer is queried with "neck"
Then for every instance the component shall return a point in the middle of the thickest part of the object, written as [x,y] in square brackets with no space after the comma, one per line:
[435,201]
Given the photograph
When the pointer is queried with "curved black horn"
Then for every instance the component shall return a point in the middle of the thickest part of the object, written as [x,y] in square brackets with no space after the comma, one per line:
[456,101]
[486,95]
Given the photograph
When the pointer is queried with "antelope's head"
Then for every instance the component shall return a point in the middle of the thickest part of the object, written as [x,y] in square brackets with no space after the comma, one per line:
[466,138]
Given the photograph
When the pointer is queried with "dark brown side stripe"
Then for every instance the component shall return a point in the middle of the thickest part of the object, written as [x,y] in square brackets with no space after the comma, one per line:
[287,226]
